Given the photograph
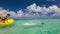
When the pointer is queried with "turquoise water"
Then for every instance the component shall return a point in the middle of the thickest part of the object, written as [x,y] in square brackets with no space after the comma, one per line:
[33,26]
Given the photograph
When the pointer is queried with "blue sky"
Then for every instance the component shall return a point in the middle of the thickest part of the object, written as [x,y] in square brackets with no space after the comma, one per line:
[21,4]
[31,8]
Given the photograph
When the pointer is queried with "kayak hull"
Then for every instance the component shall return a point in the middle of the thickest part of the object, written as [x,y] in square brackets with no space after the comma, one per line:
[7,22]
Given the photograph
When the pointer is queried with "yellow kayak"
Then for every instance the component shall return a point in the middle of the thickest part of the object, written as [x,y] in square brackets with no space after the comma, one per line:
[7,22]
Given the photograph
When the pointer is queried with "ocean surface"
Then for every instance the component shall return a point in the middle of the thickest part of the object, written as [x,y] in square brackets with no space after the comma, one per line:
[33,26]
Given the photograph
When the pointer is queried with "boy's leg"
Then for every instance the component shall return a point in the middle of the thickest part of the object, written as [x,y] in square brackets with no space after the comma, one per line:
[0,18]
[3,21]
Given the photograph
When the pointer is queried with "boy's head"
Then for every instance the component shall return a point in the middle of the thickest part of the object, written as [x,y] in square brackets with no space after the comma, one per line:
[8,14]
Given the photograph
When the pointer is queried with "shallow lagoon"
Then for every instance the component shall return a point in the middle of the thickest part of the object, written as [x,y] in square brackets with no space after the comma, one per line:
[33,26]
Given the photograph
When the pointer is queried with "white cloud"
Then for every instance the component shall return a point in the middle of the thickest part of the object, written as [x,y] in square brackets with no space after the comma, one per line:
[34,11]
[34,8]
[51,10]
[20,13]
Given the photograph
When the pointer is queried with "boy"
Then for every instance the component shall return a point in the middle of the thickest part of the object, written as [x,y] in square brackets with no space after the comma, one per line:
[5,17]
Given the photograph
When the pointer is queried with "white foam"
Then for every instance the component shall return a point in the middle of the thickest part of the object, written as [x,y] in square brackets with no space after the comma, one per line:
[29,24]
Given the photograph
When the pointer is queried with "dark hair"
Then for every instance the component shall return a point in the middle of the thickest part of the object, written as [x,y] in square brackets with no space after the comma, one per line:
[8,14]
[0,17]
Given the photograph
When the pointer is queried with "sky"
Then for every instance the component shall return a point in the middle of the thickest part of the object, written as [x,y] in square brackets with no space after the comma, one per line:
[31,8]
